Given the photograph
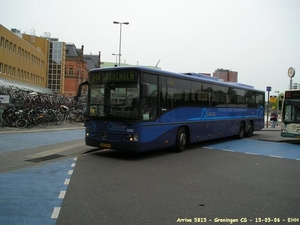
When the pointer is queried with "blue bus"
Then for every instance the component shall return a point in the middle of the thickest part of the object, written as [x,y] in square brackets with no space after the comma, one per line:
[142,109]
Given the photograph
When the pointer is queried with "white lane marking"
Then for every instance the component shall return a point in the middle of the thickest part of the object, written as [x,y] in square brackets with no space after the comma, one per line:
[250,153]
[55,213]
[62,194]
[275,156]
[67,181]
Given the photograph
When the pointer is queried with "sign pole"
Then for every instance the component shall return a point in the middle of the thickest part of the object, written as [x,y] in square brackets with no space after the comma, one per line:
[268,106]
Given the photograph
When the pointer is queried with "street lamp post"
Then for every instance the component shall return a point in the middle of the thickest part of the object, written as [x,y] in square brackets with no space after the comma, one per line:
[277,105]
[121,23]
[116,58]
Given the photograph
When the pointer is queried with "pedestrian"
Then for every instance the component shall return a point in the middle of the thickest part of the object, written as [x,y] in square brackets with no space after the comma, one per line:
[274,116]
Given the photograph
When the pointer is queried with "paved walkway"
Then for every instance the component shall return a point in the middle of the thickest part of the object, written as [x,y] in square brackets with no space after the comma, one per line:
[21,148]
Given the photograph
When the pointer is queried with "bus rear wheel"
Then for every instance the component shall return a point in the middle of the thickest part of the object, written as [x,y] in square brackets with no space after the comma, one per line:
[181,140]
[250,129]
[241,131]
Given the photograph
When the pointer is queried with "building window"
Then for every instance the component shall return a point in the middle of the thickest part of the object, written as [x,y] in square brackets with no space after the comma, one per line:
[13,71]
[2,42]
[5,69]
[6,44]
[1,67]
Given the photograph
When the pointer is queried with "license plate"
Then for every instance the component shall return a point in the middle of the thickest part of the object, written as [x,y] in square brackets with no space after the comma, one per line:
[105,145]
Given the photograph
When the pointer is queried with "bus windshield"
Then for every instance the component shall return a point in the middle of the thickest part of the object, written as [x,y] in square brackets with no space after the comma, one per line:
[114,95]
[291,111]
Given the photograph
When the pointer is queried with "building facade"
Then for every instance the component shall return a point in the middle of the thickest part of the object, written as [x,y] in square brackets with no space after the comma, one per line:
[75,69]
[296,86]
[56,66]
[226,75]
[23,60]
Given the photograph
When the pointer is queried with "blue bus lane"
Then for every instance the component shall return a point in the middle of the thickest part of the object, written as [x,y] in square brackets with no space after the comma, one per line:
[33,195]
[262,148]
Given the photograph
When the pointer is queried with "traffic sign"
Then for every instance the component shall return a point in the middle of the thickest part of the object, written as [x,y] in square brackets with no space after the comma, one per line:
[273,98]
[4,98]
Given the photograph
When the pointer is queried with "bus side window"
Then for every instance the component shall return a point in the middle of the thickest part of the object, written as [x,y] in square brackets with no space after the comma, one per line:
[169,102]
[250,102]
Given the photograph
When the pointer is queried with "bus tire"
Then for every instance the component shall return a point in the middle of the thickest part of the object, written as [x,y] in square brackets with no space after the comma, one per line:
[250,129]
[241,131]
[181,140]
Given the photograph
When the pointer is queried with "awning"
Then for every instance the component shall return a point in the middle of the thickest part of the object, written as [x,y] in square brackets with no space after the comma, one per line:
[24,86]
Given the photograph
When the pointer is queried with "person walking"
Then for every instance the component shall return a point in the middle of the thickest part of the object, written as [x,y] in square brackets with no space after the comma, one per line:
[274,117]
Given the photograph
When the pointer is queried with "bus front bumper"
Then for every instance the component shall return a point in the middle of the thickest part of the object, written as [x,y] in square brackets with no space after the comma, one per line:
[124,146]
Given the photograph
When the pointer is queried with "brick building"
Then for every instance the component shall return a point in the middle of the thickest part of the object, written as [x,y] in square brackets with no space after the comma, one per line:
[75,69]
[226,75]
[77,66]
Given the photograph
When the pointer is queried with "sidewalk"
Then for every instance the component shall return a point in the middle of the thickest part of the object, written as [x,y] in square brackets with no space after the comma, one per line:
[272,134]
[277,128]
[21,148]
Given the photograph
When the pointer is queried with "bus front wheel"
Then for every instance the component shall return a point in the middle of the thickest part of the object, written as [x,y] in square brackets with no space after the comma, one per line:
[180,140]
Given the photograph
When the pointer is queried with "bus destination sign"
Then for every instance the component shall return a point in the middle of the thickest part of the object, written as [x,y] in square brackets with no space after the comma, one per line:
[292,95]
[113,76]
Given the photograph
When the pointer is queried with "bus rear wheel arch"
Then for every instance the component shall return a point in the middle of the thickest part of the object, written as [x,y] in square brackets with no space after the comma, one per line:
[181,139]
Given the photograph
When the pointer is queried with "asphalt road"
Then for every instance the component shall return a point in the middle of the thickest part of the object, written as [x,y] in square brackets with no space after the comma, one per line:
[197,185]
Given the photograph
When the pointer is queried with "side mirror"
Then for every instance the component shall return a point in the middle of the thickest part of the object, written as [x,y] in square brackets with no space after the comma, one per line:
[85,83]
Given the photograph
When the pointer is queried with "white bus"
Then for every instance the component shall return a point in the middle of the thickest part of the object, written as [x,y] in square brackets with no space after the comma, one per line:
[290,126]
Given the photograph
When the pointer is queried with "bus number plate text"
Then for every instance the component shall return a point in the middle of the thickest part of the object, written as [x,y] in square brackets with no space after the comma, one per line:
[105,145]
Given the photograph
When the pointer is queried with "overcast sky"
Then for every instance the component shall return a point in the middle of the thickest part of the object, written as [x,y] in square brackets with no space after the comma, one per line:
[260,39]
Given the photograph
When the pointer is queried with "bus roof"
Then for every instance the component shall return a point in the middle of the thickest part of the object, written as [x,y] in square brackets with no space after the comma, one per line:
[189,76]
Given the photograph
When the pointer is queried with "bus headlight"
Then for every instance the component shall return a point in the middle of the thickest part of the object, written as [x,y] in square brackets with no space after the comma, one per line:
[131,137]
